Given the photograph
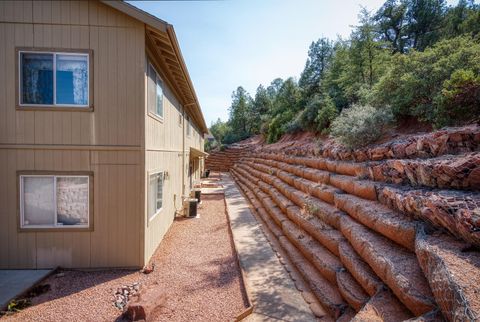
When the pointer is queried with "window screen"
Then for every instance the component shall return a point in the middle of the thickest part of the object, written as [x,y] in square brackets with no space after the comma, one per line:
[155,92]
[54,201]
[54,79]
[155,194]
[38,201]
[37,78]
[72,79]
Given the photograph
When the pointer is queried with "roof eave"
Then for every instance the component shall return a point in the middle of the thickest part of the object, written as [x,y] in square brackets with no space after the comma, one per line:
[167,28]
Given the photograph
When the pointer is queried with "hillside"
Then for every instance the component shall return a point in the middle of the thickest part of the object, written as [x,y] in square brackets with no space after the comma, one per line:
[386,232]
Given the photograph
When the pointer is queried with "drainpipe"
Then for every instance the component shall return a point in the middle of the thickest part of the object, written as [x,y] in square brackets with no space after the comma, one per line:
[183,153]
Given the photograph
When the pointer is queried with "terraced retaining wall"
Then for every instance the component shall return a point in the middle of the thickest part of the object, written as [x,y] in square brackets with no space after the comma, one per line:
[223,161]
[372,246]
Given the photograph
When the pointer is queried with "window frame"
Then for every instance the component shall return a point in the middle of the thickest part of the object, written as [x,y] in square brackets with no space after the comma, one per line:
[151,113]
[53,107]
[54,228]
[159,210]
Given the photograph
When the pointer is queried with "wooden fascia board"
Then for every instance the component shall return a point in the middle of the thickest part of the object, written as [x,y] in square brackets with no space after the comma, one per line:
[137,14]
[164,73]
[176,48]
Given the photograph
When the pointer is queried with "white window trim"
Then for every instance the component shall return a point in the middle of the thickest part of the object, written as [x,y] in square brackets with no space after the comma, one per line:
[55,225]
[54,53]
[159,210]
[154,113]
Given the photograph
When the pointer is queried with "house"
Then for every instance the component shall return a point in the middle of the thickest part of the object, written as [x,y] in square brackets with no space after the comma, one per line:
[101,134]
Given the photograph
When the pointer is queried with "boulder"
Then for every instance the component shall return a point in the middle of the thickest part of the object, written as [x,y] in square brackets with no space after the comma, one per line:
[144,305]
[351,291]
[453,273]
[383,307]
[360,270]
[395,265]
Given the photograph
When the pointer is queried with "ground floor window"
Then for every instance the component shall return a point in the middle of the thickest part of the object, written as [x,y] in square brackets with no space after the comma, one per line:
[54,201]
[155,194]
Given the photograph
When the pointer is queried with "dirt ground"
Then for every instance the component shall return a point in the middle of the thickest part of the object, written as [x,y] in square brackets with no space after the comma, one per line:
[195,265]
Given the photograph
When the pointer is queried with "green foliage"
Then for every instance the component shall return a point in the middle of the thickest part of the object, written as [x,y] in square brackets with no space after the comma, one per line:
[219,130]
[317,115]
[413,86]
[285,106]
[460,98]
[319,57]
[326,114]
[240,114]
[262,105]
[360,125]
[18,305]
[412,58]
[391,27]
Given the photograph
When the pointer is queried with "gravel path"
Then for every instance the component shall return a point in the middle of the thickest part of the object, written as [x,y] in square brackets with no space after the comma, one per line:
[195,265]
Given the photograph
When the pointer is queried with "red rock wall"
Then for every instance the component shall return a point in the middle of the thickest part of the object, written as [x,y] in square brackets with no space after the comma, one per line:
[384,237]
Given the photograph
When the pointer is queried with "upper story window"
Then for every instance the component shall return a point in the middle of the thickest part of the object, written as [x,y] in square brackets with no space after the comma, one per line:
[155,92]
[55,201]
[54,79]
[189,126]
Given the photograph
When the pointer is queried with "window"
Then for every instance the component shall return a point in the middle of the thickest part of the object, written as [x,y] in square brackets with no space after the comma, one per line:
[55,201]
[155,92]
[155,194]
[54,79]
[189,129]
[180,118]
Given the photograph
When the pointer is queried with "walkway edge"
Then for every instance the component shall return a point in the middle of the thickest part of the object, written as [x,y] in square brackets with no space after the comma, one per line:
[250,307]
[269,285]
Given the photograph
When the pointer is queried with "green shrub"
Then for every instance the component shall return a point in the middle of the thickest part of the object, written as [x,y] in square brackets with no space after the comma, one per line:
[360,125]
[326,114]
[414,85]
[279,125]
[460,99]
[317,115]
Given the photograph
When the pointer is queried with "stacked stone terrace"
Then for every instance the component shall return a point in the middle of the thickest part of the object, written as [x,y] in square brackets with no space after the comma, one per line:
[386,233]
[223,161]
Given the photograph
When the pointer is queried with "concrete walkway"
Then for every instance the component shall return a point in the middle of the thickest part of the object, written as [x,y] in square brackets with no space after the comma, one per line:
[14,282]
[272,291]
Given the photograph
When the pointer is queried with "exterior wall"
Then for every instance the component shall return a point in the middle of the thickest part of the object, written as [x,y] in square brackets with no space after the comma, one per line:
[163,152]
[107,141]
[167,148]
[195,140]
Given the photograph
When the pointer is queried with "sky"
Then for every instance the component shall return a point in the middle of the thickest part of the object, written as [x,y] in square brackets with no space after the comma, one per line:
[234,43]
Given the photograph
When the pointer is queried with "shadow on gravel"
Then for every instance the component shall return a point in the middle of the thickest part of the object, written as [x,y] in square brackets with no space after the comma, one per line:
[68,282]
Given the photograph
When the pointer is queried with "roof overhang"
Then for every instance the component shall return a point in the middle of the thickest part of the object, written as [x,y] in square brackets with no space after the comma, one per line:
[162,43]
[196,153]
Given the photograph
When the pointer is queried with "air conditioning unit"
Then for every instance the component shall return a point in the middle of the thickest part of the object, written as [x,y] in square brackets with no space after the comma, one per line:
[197,194]
[190,206]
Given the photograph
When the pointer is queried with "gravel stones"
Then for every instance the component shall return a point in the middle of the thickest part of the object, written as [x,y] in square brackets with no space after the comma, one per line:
[123,294]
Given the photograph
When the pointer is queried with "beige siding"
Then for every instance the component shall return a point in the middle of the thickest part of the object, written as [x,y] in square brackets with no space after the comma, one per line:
[164,144]
[118,44]
[116,239]
[165,151]
[107,141]
[118,141]
[155,229]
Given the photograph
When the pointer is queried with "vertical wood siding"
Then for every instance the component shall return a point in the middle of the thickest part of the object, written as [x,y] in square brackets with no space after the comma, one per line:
[118,48]
[164,152]
[118,44]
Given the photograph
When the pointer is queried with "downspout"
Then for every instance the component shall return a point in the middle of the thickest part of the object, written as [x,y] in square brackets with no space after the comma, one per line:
[183,153]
